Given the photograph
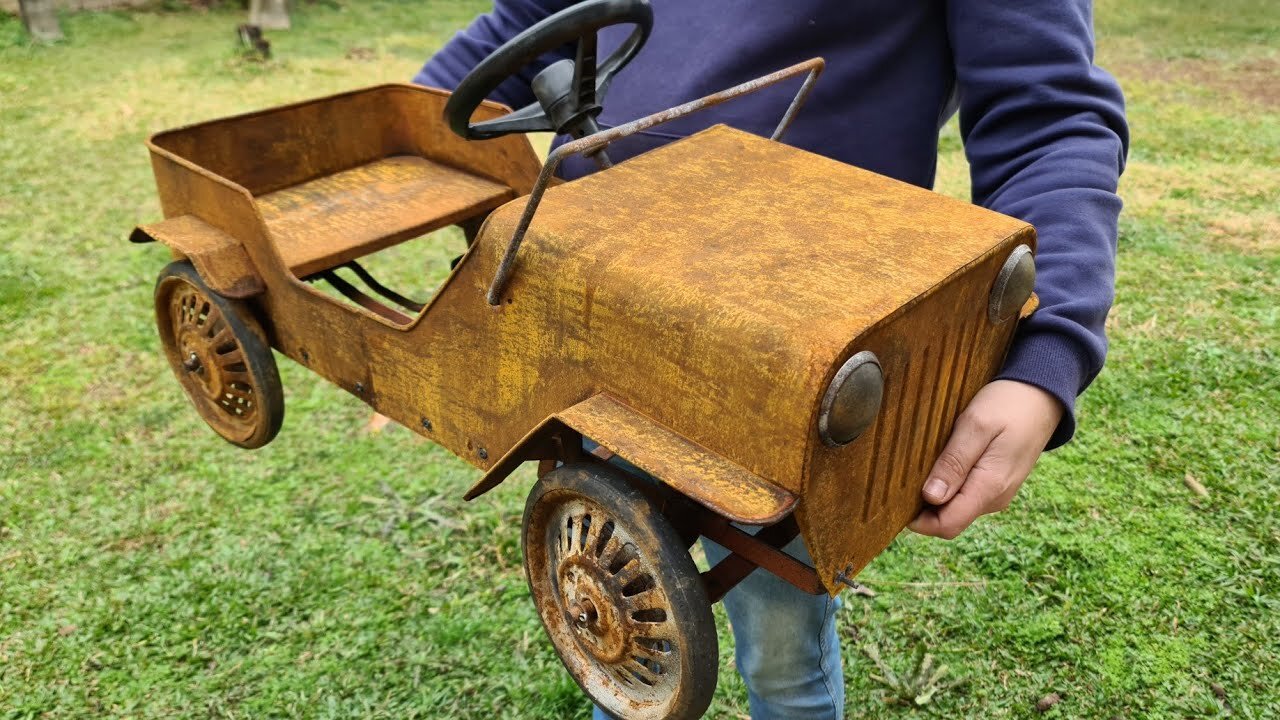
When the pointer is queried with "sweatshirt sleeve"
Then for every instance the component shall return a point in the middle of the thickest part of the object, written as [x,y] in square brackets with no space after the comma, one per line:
[1046,138]
[468,47]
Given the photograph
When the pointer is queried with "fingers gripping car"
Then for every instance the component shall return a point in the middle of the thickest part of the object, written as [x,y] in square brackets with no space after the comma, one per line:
[776,339]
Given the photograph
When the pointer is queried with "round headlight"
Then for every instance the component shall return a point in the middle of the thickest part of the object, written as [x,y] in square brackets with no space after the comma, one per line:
[852,401]
[1013,286]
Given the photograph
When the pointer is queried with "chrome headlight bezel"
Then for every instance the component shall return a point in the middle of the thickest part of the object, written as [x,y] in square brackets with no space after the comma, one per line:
[852,400]
[1014,285]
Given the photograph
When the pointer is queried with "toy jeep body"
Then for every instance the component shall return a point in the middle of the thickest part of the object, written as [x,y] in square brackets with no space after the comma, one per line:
[722,313]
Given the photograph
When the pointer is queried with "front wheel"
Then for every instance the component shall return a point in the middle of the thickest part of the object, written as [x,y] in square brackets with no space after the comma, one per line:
[619,595]
[220,356]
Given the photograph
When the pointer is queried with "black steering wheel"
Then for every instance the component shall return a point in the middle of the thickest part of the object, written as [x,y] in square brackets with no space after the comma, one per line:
[569,92]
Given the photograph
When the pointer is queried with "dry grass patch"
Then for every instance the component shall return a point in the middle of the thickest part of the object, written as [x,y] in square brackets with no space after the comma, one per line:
[1150,186]
[1255,81]
[1258,233]
[1234,203]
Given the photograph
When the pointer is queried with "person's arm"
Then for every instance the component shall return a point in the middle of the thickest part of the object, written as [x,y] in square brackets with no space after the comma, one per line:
[508,18]
[1045,136]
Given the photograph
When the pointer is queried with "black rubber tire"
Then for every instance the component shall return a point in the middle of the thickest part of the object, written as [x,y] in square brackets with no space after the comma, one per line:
[258,395]
[629,541]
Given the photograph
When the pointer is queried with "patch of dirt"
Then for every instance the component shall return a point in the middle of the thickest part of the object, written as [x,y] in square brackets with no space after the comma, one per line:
[1259,233]
[145,541]
[1256,81]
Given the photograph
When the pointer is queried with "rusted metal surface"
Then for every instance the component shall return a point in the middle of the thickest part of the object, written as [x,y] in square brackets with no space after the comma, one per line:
[328,221]
[827,229]
[220,258]
[935,356]
[549,443]
[1029,307]
[712,287]
[212,171]
[816,65]
[1013,286]
[705,477]
[727,343]
[619,596]
[284,146]
[601,452]
[596,143]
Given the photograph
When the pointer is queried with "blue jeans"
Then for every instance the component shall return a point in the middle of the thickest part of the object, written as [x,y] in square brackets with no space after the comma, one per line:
[787,649]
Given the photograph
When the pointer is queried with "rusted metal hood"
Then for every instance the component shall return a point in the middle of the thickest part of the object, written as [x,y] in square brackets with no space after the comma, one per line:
[744,268]
[747,233]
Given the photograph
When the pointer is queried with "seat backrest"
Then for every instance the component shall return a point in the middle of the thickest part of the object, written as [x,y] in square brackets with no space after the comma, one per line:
[281,147]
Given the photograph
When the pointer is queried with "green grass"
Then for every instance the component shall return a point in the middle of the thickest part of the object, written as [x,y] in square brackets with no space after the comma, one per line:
[147,569]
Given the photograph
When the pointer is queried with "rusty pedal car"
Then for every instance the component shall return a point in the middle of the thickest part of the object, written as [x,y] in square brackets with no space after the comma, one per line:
[774,338]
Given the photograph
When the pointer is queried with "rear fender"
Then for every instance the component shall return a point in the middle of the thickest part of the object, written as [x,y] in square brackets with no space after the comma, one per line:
[219,258]
[696,472]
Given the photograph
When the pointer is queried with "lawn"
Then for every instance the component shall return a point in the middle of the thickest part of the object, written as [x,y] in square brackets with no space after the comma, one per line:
[148,569]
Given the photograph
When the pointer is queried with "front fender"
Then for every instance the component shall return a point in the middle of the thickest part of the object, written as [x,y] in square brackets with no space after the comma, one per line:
[698,473]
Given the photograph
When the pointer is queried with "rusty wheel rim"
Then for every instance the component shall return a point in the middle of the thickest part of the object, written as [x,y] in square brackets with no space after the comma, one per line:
[209,361]
[603,585]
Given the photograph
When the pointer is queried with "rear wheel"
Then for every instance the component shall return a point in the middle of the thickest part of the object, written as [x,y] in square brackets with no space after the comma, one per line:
[619,595]
[221,358]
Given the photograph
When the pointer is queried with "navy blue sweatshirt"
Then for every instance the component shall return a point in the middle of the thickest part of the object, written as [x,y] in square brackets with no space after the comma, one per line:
[1043,127]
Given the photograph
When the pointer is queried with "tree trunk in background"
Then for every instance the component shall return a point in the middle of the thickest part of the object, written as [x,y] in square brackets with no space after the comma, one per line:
[41,19]
[269,14]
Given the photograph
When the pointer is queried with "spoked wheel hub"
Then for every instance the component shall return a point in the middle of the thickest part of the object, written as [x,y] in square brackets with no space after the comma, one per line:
[220,357]
[619,595]
[211,356]
[617,612]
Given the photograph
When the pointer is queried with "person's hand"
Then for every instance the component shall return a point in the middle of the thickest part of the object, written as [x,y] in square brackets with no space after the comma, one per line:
[993,446]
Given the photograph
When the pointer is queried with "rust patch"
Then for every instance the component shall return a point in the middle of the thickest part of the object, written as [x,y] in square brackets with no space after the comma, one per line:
[597,142]
[325,222]
[935,358]
[218,357]
[691,469]
[220,258]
